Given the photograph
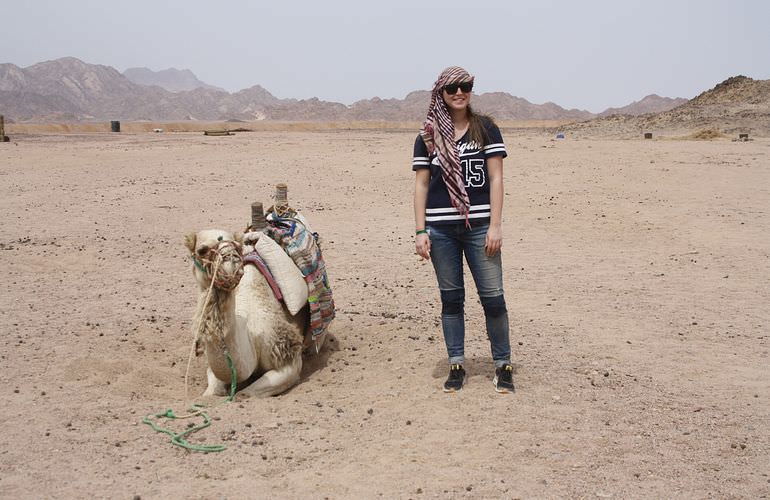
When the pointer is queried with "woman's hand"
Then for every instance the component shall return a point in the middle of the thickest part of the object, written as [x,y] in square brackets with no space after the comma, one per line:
[422,246]
[494,240]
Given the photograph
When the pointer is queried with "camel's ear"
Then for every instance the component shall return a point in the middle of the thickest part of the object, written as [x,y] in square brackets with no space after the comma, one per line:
[190,240]
[238,236]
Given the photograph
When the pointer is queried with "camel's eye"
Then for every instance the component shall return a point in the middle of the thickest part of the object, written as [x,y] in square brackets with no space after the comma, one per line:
[219,238]
[202,251]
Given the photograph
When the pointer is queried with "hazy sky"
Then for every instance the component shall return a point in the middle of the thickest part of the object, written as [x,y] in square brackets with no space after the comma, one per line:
[580,53]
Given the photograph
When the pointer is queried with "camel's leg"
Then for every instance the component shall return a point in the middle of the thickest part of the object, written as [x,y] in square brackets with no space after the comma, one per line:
[274,382]
[216,387]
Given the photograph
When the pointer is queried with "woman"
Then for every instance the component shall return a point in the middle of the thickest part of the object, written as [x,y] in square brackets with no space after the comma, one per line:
[458,202]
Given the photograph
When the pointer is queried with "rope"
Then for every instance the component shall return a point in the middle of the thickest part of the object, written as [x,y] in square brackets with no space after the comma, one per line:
[230,250]
[282,211]
[197,335]
[179,438]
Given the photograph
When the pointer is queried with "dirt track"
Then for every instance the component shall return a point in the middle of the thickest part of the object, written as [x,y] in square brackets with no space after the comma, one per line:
[636,276]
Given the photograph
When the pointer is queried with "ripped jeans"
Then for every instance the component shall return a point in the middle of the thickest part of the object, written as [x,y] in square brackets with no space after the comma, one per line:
[448,244]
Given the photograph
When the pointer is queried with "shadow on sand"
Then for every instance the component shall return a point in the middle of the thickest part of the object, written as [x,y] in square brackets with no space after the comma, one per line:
[474,367]
[312,363]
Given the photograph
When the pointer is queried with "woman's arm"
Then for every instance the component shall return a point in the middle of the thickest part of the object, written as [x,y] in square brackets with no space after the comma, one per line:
[421,241]
[495,233]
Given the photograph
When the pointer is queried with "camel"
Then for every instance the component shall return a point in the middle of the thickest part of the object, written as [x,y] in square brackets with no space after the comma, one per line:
[263,339]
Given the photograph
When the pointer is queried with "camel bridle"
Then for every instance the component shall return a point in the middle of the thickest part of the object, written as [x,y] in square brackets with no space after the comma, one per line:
[211,264]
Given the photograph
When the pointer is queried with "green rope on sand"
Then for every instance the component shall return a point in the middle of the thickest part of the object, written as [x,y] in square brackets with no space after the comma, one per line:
[179,438]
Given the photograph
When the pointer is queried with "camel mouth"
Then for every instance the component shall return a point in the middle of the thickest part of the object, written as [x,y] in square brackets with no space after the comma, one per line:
[222,264]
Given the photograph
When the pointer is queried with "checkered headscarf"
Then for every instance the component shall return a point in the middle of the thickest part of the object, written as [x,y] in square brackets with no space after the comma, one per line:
[438,132]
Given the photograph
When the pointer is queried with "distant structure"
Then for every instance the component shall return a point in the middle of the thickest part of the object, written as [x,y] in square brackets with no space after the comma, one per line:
[115,126]
[743,138]
[3,137]
[648,135]
[560,135]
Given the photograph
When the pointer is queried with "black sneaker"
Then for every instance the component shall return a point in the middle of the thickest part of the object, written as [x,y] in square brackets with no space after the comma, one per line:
[504,379]
[456,378]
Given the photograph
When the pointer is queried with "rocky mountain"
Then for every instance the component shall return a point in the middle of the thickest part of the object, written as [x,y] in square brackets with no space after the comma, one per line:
[70,89]
[652,103]
[171,79]
[500,105]
[738,104]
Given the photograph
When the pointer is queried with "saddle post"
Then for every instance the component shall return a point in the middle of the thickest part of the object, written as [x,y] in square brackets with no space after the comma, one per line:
[258,222]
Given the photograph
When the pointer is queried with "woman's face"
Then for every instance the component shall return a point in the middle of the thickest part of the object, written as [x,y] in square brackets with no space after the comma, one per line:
[459,100]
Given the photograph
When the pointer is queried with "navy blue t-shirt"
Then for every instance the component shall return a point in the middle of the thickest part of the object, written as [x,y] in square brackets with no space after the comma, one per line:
[473,161]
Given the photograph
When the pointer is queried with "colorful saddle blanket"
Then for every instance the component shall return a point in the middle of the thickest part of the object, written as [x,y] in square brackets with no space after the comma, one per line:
[302,246]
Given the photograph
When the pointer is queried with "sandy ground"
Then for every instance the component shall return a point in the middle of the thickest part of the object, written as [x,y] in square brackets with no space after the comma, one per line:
[637,278]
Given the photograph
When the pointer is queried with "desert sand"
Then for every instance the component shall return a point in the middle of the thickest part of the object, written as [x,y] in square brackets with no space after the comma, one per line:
[636,275]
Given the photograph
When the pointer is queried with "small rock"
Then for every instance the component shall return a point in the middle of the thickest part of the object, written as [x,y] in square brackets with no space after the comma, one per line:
[370,411]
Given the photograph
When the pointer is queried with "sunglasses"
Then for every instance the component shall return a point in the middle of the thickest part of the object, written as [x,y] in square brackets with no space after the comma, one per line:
[451,88]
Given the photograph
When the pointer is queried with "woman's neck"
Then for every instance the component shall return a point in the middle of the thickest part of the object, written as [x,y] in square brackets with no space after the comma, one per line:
[459,118]
[460,122]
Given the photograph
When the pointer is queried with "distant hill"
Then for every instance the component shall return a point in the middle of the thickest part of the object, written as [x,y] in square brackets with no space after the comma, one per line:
[738,104]
[70,89]
[652,103]
[66,88]
[171,79]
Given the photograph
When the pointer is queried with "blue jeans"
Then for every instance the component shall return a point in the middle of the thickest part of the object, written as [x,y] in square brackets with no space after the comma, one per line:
[448,243]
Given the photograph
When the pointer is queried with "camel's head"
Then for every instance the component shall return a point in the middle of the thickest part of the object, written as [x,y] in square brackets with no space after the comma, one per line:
[215,254]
